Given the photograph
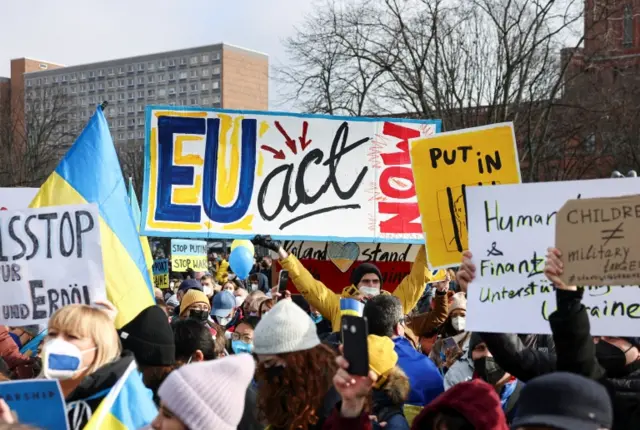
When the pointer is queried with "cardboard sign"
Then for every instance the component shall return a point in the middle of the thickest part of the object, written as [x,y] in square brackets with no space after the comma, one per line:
[49,257]
[189,254]
[444,165]
[235,174]
[37,402]
[599,241]
[161,273]
[16,198]
[510,229]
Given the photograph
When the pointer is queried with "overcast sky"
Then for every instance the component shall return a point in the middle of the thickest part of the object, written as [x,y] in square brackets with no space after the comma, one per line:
[75,32]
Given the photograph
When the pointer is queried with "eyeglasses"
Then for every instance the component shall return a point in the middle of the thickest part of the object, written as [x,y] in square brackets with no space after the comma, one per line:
[242,336]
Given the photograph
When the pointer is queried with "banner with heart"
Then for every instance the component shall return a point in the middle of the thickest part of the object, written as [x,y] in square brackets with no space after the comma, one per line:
[343,255]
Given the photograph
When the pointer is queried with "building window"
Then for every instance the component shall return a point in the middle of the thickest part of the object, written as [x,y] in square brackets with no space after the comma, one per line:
[140,108]
[92,100]
[162,92]
[130,68]
[140,121]
[110,84]
[183,61]
[28,82]
[205,58]
[92,87]
[121,122]
[162,64]
[39,81]
[150,79]
[120,70]
[183,89]
[194,73]
[140,94]
[172,76]
[204,86]
[83,75]
[73,77]
[131,135]
[111,97]
[110,71]
[112,111]
[205,72]
[151,66]
[100,72]
[73,90]
[193,60]
[627,24]
[120,83]
[131,122]
[215,85]
[101,85]
[46,80]
[216,99]
[83,88]
[130,96]
[131,109]
[161,77]
[120,96]
[183,75]
[121,109]
[216,70]
[120,136]
[151,92]
[193,87]
[216,56]
[130,82]
[193,102]
[140,80]
[92,74]
[172,91]
[64,78]
[172,63]
[140,67]
[205,101]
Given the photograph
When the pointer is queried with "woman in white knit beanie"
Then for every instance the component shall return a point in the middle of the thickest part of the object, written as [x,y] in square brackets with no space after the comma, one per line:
[205,395]
[295,371]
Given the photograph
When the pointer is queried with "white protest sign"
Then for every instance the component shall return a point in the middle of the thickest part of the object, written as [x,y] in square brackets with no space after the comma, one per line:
[510,229]
[16,198]
[49,257]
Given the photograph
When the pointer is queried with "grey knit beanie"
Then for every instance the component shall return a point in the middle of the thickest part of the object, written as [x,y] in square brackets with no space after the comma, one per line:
[209,394]
[285,328]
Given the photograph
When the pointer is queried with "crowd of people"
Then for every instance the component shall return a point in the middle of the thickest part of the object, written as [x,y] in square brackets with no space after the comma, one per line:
[218,352]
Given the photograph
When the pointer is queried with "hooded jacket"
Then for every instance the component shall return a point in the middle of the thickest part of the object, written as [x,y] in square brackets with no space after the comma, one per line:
[427,322]
[576,353]
[328,303]
[85,399]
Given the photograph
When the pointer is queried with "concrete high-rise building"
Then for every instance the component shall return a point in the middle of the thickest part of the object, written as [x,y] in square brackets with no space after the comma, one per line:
[218,75]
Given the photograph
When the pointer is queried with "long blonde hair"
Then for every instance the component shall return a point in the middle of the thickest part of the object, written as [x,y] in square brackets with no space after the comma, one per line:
[84,321]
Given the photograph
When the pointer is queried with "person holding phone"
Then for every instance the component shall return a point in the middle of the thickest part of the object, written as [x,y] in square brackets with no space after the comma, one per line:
[366,282]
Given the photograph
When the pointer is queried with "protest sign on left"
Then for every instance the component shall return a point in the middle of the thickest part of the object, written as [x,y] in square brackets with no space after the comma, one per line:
[16,198]
[49,257]
[37,402]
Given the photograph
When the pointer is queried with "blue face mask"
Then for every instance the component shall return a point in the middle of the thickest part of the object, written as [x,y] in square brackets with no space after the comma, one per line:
[239,347]
[316,318]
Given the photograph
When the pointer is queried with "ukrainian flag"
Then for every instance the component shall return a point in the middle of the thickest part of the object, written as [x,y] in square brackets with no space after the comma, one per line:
[128,406]
[90,173]
[135,213]
[351,307]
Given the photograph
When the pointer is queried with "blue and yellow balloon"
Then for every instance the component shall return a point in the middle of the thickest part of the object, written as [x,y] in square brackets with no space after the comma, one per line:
[241,258]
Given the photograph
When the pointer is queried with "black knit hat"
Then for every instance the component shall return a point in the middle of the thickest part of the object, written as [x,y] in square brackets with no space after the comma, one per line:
[150,337]
[364,269]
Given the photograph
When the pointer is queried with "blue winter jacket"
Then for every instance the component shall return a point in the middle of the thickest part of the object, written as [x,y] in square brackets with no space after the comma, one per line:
[425,378]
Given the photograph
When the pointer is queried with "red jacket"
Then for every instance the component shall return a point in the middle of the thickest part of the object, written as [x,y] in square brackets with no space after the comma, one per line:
[10,352]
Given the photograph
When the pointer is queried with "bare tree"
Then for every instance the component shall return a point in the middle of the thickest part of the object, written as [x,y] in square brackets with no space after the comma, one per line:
[131,156]
[35,132]
[467,62]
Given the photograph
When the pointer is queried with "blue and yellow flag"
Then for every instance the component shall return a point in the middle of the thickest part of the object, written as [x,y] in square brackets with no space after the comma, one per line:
[135,207]
[351,307]
[90,173]
[135,213]
[128,406]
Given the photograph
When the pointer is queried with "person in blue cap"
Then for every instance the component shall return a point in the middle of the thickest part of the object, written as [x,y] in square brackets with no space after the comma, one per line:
[224,310]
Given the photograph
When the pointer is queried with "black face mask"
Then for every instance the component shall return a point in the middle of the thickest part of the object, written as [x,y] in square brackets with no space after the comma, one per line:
[612,359]
[274,374]
[488,370]
[198,315]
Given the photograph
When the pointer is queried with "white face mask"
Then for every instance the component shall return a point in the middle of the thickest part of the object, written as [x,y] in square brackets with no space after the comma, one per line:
[254,287]
[223,321]
[208,291]
[62,359]
[369,291]
[459,323]
[239,301]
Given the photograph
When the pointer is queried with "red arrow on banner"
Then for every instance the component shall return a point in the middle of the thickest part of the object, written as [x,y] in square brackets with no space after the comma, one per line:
[278,155]
[291,144]
[303,139]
